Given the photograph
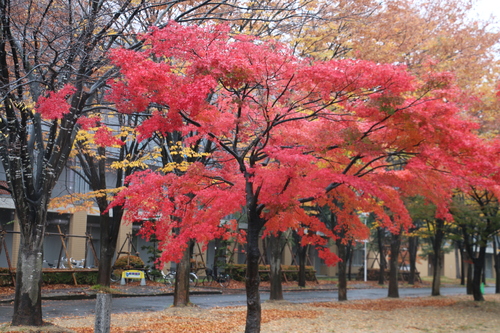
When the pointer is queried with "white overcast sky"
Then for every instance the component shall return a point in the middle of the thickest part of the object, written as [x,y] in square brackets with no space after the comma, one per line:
[487,7]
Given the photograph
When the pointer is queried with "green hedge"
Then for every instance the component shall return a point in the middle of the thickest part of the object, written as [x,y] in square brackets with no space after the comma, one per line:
[59,277]
[129,262]
[238,272]
[5,279]
[67,277]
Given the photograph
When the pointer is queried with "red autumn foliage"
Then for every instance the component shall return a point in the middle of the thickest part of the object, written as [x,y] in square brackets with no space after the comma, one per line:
[55,105]
[287,131]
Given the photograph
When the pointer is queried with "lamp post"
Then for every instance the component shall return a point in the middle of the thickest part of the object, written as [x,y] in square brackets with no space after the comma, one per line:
[365,261]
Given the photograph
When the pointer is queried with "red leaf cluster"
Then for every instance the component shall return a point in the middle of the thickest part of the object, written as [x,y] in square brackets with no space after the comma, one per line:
[55,105]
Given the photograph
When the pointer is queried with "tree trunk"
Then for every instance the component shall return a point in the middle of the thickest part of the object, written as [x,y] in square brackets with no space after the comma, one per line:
[474,284]
[342,253]
[436,275]
[496,257]
[393,266]
[437,243]
[478,271]
[458,265]
[254,311]
[28,297]
[349,255]
[462,263]
[469,278]
[275,245]
[412,251]
[110,227]
[181,289]
[302,254]
[107,251]
[497,273]
[383,263]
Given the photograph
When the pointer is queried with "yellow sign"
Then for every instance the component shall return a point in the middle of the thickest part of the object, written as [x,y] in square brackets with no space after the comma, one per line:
[133,274]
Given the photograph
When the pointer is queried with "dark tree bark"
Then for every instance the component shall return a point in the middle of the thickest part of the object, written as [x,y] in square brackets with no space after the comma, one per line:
[412,250]
[109,237]
[301,255]
[458,265]
[28,305]
[462,262]
[470,269]
[496,256]
[342,286]
[255,223]
[477,234]
[181,289]
[479,262]
[393,265]
[276,247]
[437,244]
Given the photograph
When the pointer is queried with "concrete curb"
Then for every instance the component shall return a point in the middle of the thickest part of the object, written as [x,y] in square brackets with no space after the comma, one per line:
[92,295]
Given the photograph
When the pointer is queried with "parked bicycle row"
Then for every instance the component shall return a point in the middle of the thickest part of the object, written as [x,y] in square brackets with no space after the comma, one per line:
[210,279]
[63,263]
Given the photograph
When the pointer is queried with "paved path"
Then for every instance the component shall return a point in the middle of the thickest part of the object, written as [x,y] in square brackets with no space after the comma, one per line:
[57,308]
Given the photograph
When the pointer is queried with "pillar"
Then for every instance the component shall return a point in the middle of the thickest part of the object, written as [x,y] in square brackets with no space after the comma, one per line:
[122,237]
[77,227]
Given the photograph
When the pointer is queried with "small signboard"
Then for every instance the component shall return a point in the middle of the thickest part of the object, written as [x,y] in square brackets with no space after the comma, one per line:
[133,274]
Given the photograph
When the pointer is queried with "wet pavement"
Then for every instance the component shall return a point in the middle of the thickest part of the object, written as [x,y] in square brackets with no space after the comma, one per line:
[134,289]
[66,292]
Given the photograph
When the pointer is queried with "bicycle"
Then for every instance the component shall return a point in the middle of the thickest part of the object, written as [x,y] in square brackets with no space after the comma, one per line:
[222,279]
[115,276]
[169,278]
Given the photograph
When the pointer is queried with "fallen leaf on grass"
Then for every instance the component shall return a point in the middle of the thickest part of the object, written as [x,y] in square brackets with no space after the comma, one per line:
[387,304]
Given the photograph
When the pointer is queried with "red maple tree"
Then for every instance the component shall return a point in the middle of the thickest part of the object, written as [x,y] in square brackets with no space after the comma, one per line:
[288,131]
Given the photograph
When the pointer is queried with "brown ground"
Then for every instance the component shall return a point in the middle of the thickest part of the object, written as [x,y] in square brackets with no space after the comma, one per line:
[428,314]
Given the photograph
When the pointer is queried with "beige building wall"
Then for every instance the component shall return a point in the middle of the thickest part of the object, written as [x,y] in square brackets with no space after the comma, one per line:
[331,271]
[77,227]
[125,229]
[422,267]
[449,265]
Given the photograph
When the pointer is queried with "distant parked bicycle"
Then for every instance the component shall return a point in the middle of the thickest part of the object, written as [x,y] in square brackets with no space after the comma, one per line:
[115,276]
[211,279]
[77,263]
[61,263]
[169,278]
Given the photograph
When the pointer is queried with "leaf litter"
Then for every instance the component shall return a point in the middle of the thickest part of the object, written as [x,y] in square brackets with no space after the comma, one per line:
[431,314]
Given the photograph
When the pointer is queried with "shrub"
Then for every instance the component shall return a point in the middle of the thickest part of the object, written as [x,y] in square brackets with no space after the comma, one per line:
[55,277]
[129,262]
[5,277]
[62,277]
